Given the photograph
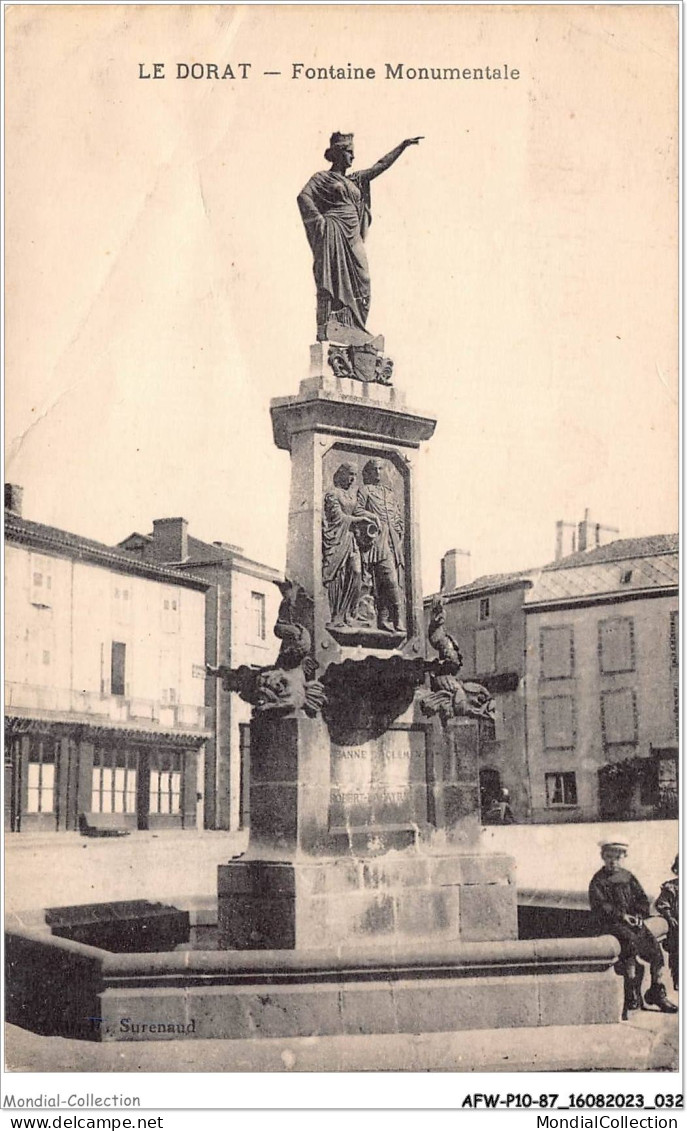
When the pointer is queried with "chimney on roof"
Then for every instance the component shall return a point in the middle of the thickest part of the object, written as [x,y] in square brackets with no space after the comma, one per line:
[456,569]
[605,534]
[566,539]
[170,540]
[585,535]
[590,534]
[13,498]
[585,538]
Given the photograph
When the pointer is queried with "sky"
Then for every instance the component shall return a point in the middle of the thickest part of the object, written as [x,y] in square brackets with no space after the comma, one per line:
[523,259]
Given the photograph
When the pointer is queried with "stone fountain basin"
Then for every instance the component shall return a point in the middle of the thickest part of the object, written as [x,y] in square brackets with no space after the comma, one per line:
[59,986]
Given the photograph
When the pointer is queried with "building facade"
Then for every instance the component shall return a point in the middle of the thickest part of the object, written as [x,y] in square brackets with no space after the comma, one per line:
[582,657]
[486,618]
[241,610]
[602,688]
[105,706]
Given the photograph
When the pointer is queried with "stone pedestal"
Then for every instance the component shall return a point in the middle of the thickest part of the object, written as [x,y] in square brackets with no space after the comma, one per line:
[289,787]
[364,820]
[368,843]
[398,899]
[330,422]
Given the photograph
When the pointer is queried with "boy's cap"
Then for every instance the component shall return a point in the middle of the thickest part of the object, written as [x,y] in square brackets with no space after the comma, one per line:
[623,844]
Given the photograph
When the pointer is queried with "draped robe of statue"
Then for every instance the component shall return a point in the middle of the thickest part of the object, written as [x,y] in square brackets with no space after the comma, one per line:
[341,561]
[336,214]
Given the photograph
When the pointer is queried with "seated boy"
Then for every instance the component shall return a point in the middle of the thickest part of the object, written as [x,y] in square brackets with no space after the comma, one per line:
[668,905]
[620,906]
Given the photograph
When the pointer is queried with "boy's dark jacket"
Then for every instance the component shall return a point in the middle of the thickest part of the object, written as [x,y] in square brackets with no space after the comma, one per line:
[614,894]
[668,902]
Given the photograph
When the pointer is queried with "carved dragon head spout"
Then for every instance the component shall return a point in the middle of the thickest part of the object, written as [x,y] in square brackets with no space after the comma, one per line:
[452,698]
[288,691]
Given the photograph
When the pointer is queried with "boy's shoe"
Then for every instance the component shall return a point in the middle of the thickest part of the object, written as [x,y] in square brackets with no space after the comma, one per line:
[632,999]
[656,995]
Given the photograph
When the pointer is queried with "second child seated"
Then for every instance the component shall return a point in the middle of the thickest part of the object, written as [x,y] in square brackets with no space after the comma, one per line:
[620,905]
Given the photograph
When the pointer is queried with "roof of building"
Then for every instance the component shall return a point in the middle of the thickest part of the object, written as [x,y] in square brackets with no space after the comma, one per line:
[197,550]
[53,540]
[489,583]
[135,536]
[201,554]
[626,566]
[619,577]
[211,551]
[620,550]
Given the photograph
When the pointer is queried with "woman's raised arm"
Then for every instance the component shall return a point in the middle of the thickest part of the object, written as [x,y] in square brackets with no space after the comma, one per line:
[387,161]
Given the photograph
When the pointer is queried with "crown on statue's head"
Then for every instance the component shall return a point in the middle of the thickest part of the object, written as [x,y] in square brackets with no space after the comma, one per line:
[340,139]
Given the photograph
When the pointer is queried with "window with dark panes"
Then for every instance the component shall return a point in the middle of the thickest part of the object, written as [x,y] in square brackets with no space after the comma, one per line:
[561,789]
[118,669]
[485,608]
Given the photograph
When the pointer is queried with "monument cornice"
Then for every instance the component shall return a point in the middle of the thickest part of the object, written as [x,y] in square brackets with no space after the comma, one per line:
[322,407]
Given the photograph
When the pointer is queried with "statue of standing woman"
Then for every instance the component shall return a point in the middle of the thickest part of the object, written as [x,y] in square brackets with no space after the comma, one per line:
[341,558]
[335,208]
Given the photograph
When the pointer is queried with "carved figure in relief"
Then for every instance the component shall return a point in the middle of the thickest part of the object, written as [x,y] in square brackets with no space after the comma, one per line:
[289,685]
[440,639]
[381,542]
[341,557]
[450,697]
[335,208]
[294,636]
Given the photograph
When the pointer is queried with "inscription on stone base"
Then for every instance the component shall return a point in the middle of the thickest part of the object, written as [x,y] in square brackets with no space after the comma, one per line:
[379,784]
